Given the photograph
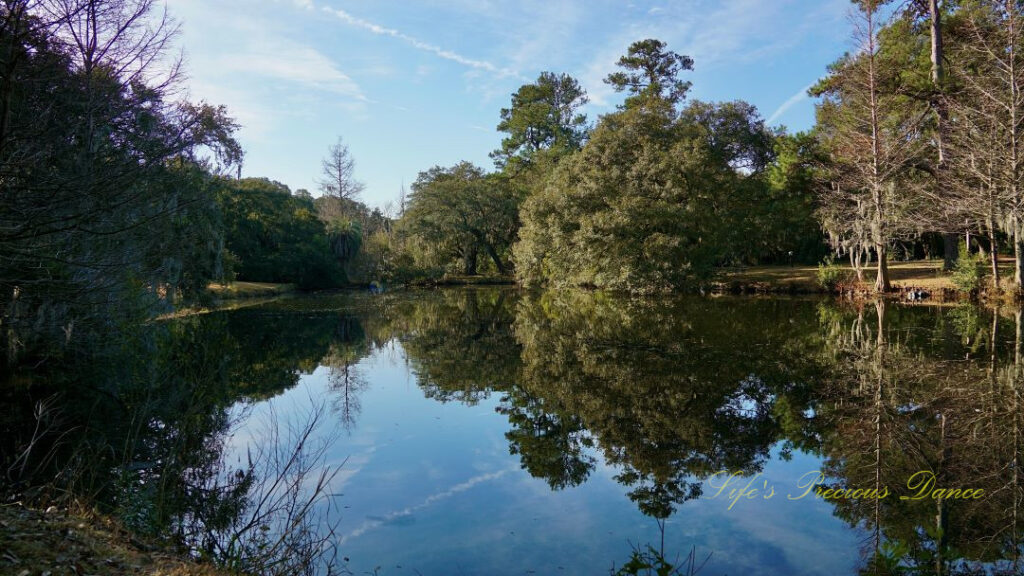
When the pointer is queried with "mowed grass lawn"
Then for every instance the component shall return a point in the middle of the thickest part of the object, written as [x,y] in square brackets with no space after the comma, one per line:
[249,290]
[926,274]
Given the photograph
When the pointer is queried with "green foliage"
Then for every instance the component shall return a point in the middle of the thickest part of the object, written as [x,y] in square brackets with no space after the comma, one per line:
[654,199]
[650,73]
[189,247]
[345,238]
[170,479]
[968,322]
[658,199]
[458,215]
[107,211]
[363,241]
[831,276]
[969,272]
[650,561]
[786,229]
[657,389]
[643,380]
[871,122]
[543,120]
[277,237]
[652,203]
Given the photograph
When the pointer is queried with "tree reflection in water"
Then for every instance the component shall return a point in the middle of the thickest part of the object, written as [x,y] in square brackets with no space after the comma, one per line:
[895,406]
[668,392]
[664,392]
[138,428]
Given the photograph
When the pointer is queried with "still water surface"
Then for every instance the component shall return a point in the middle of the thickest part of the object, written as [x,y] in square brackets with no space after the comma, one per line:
[489,432]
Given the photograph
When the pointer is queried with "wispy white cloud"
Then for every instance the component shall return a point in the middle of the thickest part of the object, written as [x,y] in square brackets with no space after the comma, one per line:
[255,117]
[539,34]
[296,72]
[419,44]
[718,35]
[266,76]
[372,523]
[737,30]
[296,64]
[793,100]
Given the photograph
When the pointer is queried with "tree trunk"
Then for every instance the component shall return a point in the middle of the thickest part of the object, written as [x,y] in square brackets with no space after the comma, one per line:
[494,257]
[882,278]
[936,34]
[949,240]
[993,252]
[879,218]
[469,260]
[1014,136]
[855,262]
[950,250]
[1018,257]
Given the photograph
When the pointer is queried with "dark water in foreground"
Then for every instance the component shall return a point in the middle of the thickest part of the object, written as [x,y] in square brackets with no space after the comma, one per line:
[492,432]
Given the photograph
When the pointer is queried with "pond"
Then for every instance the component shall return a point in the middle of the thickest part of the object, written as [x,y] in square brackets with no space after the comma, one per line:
[494,431]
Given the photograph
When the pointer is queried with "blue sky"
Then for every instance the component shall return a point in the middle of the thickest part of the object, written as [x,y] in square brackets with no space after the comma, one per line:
[410,84]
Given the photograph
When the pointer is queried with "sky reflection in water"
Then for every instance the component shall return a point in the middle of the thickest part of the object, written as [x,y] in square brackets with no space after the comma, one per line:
[431,487]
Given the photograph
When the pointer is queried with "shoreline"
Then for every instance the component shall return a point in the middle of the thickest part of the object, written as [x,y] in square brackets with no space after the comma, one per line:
[62,541]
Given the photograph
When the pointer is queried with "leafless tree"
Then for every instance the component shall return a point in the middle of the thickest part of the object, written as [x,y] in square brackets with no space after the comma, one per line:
[338,181]
[348,382]
[945,217]
[130,38]
[873,140]
[987,136]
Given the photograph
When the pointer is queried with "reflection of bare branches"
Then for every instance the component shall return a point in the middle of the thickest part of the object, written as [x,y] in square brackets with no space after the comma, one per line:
[894,411]
[348,381]
[648,561]
[279,514]
[1015,382]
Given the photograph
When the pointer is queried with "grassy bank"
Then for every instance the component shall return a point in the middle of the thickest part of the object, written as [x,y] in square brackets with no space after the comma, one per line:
[233,296]
[65,543]
[919,274]
[240,290]
[461,280]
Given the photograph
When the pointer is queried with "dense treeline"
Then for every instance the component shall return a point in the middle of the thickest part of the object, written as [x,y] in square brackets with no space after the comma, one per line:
[921,130]
[107,201]
[916,148]
[115,202]
[275,236]
[655,196]
[659,196]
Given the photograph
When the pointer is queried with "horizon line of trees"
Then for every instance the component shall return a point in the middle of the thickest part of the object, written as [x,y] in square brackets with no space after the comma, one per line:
[116,196]
[921,130]
[655,196]
[117,200]
[916,150]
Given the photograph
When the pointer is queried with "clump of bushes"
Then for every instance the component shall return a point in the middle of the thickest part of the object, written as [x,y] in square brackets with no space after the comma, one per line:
[831,276]
[969,272]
